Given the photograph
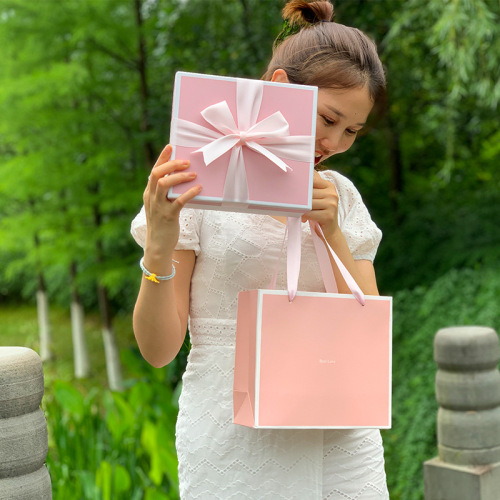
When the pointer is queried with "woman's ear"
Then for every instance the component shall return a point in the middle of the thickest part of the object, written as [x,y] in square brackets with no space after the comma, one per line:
[280,76]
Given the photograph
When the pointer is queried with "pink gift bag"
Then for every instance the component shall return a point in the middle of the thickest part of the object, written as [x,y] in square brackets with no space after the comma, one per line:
[251,142]
[312,360]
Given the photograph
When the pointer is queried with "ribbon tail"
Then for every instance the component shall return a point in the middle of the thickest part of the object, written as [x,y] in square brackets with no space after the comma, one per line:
[269,155]
[217,148]
[236,184]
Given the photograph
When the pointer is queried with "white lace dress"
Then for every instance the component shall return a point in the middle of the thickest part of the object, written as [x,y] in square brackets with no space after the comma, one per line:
[221,460]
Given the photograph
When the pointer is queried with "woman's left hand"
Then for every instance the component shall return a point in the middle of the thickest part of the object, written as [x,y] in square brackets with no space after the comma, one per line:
[325,205]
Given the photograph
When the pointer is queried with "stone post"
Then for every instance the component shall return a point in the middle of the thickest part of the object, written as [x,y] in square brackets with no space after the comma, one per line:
[468,421]
[23,428]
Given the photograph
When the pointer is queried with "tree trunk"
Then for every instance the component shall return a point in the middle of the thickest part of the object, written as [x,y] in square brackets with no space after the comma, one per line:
[42,303]
[249,33]
[149,154]
[111,351]
[80,351]
[396,163]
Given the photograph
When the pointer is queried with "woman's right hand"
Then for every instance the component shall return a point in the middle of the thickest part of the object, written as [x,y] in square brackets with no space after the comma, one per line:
[162,215]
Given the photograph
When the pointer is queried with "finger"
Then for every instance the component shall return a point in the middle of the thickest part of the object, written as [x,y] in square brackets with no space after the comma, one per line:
[160,171]
[145,198]
[326,203]
[318,181]
[314,215]
[165,183]
[187,196]
[164,155]
[320,193]
[169,167]
[326,190]
[320,216]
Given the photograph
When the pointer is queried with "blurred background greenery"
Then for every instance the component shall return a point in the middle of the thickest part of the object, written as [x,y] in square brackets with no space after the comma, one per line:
[85,99]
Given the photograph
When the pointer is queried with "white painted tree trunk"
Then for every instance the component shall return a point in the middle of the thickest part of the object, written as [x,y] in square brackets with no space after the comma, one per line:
[80,351]
[42,303]
[113,366]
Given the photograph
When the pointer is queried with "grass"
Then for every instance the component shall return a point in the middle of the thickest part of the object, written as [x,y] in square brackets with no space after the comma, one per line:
[19,327]
[103,445]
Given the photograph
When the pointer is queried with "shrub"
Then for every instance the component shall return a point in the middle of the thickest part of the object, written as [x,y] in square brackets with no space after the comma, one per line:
[460,297]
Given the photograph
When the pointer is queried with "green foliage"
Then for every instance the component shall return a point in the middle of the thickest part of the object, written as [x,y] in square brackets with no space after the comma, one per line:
[83,111]
[109,446]
[63,172]
[465,297]
[437,233]
[287,30]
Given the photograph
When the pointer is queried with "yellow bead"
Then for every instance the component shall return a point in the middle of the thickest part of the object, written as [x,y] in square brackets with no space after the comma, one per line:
[152,278]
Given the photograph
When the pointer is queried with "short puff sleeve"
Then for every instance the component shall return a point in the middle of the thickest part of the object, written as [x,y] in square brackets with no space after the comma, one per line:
[189,229]
[361,233]
[138,228]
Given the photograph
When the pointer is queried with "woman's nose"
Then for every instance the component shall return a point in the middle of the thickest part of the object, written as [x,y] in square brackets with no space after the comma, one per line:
[330,143]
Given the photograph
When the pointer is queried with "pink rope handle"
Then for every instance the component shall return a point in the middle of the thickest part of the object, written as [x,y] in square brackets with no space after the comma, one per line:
[294,233]
[350,281]
[323,252]
[293,255]
[324,260]
[272,283]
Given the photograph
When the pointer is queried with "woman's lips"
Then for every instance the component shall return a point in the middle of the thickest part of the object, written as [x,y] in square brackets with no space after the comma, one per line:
[317,157]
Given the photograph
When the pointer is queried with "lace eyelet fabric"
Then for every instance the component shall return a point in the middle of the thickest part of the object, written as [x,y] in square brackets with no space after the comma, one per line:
[221,460]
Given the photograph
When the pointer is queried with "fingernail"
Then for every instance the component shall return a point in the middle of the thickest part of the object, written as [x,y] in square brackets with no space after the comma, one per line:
[185,162]
[191,175]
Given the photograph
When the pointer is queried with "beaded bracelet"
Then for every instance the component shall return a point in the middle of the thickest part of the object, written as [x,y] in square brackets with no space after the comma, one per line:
[152,276]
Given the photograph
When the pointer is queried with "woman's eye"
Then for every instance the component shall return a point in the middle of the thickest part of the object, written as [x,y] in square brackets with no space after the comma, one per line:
[328,121]
[351,132]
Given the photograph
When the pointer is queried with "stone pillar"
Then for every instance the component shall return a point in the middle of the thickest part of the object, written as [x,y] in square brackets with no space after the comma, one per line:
[468,422]
[23,428]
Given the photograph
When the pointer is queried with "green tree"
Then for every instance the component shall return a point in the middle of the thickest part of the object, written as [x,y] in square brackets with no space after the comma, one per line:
[70,166]
[85,102]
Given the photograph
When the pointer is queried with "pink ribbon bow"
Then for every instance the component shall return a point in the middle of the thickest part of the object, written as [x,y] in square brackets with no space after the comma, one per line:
[270,137]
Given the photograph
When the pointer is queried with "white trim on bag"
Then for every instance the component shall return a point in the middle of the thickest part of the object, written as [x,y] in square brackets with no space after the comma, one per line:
[325,294]
[324,427]
[258,348]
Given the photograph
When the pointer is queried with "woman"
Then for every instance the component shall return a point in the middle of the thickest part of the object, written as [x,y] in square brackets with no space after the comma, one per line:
[218,254]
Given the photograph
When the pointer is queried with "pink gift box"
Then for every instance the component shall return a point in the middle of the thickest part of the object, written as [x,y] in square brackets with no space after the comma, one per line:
[251,143]
[320,361]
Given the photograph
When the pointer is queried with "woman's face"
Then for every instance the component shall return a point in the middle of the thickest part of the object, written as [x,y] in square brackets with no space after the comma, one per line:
[341,115]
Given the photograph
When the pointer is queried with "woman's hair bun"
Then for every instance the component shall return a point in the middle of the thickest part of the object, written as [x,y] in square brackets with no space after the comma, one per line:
[301,12]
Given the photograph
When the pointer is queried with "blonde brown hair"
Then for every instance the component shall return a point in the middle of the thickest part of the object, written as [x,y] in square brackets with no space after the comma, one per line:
[326,54]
